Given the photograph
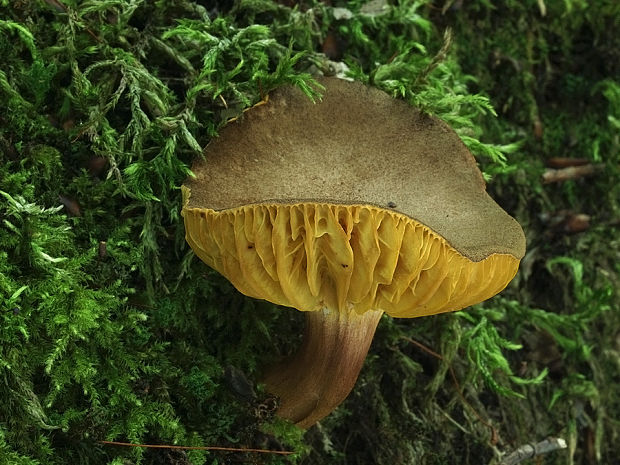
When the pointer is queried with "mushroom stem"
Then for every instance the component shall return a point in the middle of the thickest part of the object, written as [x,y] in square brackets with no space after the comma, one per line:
[316,379]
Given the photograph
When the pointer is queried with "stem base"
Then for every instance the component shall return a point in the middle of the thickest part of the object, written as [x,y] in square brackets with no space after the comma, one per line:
[315,380]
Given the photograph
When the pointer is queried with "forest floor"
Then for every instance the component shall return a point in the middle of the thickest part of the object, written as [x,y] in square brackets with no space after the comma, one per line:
[112,330]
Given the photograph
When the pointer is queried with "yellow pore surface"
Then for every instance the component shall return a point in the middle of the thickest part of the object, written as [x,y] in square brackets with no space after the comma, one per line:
[361,257]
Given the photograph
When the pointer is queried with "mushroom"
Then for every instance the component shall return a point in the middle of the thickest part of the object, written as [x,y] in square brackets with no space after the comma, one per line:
[346,209]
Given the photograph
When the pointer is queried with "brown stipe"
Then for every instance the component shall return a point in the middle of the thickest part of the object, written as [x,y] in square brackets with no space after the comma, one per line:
[322,373]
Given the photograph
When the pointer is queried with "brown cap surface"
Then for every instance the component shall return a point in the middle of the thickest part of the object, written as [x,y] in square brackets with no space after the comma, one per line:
[343,197]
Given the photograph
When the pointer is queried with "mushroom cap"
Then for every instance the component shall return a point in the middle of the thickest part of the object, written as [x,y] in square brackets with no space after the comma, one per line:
[357,202]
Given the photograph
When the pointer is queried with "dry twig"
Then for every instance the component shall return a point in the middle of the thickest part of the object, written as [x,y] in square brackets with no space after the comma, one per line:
[565,162]
[212,448]
[570,172]
[527,451]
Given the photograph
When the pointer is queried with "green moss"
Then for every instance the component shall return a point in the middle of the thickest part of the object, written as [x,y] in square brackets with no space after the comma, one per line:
[112,330]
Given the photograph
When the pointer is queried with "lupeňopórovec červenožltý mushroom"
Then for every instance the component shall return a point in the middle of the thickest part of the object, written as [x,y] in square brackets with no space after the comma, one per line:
[347,209]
